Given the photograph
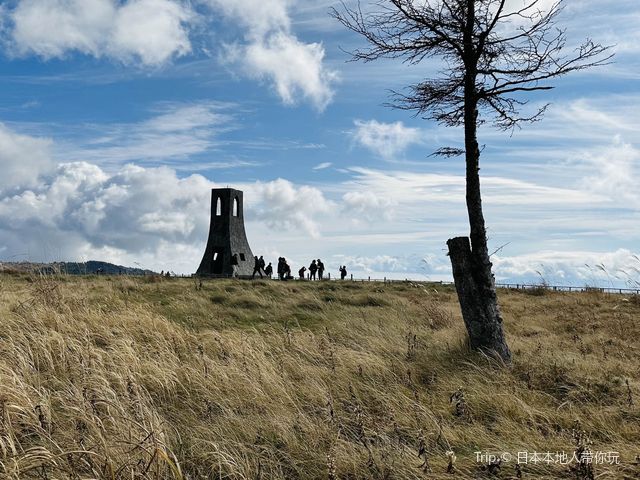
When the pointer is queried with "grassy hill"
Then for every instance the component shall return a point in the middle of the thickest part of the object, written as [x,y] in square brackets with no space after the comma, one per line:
[149,378]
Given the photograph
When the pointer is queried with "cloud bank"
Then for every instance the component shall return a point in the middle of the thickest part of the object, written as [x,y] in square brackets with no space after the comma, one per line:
[129,213]
[148,31]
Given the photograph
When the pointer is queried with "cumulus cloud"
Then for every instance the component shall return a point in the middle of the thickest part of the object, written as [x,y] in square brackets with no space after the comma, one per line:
[366,205]
[272,52]
[153,32]
[128,213]
[149,31]
[132,210]
[385,139]
[80,211]
[284,206]
[23,158]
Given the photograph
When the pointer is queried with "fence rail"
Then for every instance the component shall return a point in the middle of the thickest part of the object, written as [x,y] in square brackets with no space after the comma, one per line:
[351,278]
[561,288]
[510,286]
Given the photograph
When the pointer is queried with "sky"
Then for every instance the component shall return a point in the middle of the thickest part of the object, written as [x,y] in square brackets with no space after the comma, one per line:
[117,117]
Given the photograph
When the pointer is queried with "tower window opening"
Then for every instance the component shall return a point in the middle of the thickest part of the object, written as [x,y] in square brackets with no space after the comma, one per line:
[218,207]
[242,257]
[217,263]
[235,207]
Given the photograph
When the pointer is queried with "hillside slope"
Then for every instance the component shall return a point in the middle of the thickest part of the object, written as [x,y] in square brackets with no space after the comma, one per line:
[149,378]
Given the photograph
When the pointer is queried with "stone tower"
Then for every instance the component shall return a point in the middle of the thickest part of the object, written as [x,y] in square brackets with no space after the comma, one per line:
[226,236]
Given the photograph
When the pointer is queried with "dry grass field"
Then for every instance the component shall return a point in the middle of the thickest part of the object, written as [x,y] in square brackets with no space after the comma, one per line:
[148,378]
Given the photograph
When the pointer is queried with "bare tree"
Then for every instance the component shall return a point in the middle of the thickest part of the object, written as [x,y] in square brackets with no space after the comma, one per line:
[493,52]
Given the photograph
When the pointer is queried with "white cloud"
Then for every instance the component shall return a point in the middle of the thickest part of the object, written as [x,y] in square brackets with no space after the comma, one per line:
[379,263]
[432,189]
[284,206]
[616,168]
[366,205]
[260,17]
[136,214]
[79,210]
[295,68]
[616,269]
[323,166]
[131,210]
[387,140]
[149,31]
[619,268]
[23,158]
[175,133]
[273,53]
[153,32]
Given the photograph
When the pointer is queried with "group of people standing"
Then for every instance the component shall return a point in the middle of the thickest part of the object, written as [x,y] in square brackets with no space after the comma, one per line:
[316,269]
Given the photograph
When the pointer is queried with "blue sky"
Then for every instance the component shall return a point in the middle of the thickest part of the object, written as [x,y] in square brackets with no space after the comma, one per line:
[117,117]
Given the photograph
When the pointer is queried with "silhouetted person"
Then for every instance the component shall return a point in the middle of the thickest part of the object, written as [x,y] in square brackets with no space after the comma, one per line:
[280,267]
[261,260]
[313,268]
[320,269]
[234,265]
[301,272]
[268,270]
[343,272]
[256,267]
[286,270]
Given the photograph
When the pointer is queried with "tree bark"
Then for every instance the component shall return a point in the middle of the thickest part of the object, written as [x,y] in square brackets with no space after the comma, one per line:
[478,301]
[470,261]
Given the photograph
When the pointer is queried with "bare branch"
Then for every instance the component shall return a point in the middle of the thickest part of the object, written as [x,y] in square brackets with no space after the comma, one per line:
[448,152]
[501,64]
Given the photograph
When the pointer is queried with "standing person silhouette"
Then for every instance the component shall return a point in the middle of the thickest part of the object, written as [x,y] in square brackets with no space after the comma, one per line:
[320,269]
[256,267]
[343,272]
[286,270]
[313,268]
[280,267]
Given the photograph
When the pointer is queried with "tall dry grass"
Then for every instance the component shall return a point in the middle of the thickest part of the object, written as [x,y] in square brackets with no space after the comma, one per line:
[128,378]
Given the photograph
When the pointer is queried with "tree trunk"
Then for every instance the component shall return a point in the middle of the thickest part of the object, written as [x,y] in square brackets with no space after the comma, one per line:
[470,260]
[478,300]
